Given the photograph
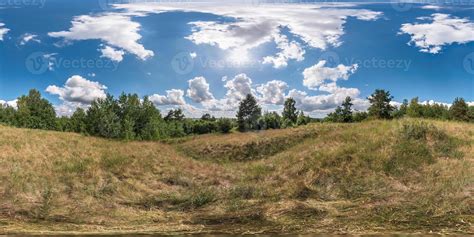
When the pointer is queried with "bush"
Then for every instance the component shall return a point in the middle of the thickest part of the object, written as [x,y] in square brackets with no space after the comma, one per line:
[204,127]
[412,149]
[416,131]
[408,155]
[224,125]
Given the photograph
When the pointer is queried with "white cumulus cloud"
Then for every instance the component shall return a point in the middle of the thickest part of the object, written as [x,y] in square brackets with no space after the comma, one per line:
[199,90]
[117,30]
[112,54]
[273,92]
[319,74]
[78,90]
[237,89]
[172,97]
[441,30]
[289,51]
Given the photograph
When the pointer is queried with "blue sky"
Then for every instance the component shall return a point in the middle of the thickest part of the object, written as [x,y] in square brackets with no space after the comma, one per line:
[203,57]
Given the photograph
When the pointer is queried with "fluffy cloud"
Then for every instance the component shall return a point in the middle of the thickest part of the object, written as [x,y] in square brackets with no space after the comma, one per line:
[441,30]
[199,90]
[324,79]
[112,54]
[322,103]
[318,75]
[173,97]
[116,30]
[78,90]
[29,38]
[3,31]
[273,92]
[68,108]
[237,89]
[317,25]
[245,35]
[289,51]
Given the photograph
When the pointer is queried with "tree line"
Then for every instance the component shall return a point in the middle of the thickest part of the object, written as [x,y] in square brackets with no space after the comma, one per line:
[382,108]
[131,118]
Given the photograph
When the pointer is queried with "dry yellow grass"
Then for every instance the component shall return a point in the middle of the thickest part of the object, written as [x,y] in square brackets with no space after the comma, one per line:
[316,179]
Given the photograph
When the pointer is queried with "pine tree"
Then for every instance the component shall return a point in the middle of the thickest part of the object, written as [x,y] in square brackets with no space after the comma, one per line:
[248,114]
[346,112]
[380,107]
[459,110]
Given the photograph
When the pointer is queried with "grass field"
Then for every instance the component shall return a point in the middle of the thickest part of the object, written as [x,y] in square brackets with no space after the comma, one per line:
[373,177]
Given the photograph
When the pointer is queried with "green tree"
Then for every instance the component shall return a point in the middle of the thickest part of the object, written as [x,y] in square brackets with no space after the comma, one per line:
[302,119]
[336,116]
[289,110]
[175,115]
[359,116]
[346,111]
[248,114]
[415,109]
[7,115]
[149,124]
[78,121]
[225,125]
[380,107]
[271,120]
[402,111]
[103,118]
[208,117]
[129,114]
[404,108]
[471,113]
[459,110]
[35,112]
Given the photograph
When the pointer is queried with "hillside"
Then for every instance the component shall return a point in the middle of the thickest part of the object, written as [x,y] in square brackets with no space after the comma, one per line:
[372,177]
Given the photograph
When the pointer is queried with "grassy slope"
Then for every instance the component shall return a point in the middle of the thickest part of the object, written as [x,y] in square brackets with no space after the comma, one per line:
[355,178]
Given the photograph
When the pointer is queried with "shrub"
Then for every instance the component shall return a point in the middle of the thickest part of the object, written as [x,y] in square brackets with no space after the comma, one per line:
[408,155]
[224,125]
[416,131]
[418,144]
